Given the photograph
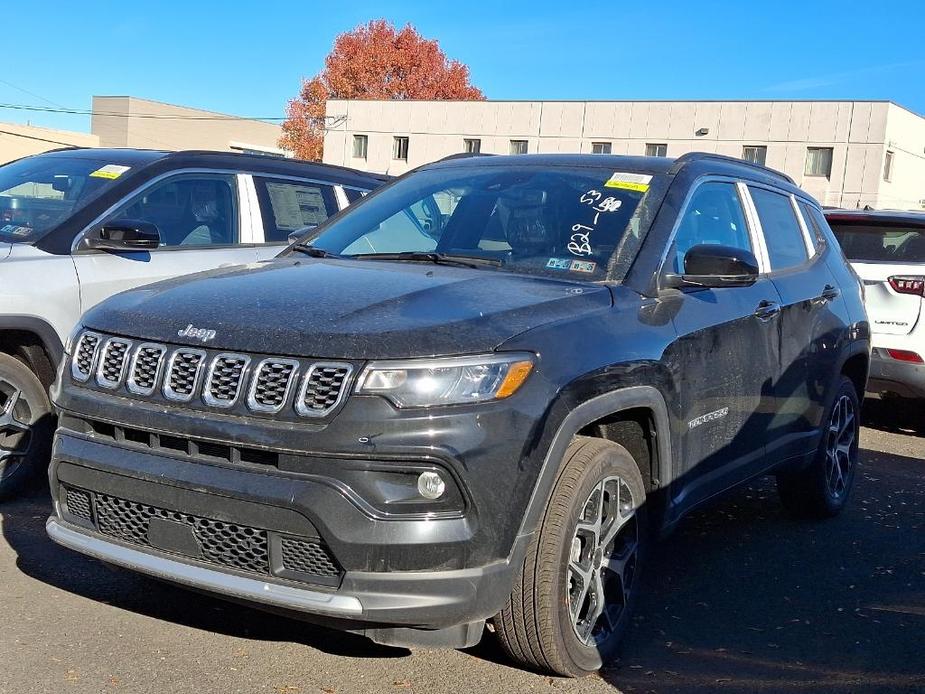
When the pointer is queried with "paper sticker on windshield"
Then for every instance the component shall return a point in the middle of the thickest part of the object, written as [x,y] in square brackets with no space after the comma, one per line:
[110,171]
[629,181]
[559,264]
[583,266]
[14,230]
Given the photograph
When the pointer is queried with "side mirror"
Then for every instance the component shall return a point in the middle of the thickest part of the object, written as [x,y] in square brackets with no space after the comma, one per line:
[123,235]
[707,265]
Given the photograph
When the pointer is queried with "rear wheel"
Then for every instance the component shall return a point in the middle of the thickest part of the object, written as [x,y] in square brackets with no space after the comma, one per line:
[821,489]
[572,602]
[25,426]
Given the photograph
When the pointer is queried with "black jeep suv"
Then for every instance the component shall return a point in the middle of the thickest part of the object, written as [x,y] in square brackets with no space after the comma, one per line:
[469,397]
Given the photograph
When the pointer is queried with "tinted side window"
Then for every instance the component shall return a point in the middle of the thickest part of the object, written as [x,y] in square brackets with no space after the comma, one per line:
[713,216]
[782,234]
[286,206]
[353,194]
[189,210]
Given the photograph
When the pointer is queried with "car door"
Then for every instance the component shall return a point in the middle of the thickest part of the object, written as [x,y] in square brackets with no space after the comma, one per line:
[287,205]
[813,321]
[725,357]
[202,223]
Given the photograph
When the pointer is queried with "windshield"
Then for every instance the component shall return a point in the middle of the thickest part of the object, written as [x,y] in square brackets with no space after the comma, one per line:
[879,243]
[560,221]
[38,193]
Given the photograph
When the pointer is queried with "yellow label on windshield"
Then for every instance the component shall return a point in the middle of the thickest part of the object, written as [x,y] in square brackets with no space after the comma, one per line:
[629,181]
[110,171]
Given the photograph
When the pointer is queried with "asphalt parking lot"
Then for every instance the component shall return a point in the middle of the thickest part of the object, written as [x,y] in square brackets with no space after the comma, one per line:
[740,598]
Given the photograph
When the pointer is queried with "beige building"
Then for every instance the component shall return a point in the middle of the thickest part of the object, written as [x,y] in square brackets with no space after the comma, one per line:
[22,140]
[845,153]
[127,121]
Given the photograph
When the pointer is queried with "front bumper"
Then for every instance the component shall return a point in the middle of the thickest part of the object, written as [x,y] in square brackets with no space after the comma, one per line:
[888,375]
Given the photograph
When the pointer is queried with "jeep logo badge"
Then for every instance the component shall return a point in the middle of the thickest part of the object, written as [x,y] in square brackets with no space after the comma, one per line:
[196,333]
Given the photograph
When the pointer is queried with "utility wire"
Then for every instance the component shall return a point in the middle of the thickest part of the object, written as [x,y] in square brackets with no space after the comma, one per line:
[118,114]
[40,139]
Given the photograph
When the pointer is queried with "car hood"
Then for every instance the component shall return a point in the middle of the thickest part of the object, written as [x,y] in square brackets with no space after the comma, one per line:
[346,309]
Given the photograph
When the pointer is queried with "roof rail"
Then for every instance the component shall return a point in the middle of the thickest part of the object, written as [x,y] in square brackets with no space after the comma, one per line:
[690,157]
[465,155]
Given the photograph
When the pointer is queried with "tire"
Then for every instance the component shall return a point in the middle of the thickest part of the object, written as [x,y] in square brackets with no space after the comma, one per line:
[541,625]
[821,489]
[26,427]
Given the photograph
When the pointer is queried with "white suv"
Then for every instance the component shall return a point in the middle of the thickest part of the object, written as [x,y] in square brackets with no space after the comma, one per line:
[79,225]
[887,249]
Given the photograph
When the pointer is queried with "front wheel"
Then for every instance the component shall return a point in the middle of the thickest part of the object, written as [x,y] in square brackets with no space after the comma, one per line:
[25,426]
[571,603]
[821,489]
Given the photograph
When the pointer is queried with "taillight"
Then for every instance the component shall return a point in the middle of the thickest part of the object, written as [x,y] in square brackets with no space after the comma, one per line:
[905,355]
[908,285]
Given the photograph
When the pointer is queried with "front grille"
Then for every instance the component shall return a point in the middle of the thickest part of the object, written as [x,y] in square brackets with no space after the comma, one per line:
[78,504]
[232,545]
[237,546]
[322,389]
[84,355]
[206,379]
[183,373]
[146,367]
[270,389]
[112,362]
[307,558]
[224,380]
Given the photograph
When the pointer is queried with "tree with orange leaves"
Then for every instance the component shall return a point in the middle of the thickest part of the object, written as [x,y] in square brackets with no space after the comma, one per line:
[374,61]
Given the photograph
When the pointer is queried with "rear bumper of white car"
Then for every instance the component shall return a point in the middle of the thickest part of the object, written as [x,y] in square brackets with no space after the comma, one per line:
[889,375]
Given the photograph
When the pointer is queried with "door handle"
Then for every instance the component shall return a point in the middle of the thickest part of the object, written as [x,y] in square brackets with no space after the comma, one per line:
[767,310]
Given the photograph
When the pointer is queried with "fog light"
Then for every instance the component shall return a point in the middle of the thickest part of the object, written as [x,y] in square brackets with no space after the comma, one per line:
[431,485]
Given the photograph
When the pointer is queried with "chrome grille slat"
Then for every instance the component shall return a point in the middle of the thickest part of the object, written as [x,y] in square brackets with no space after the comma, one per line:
[85,356]
[183,370]
[145,370]
[224,380]
[322,388]
[271,384]
[112,361]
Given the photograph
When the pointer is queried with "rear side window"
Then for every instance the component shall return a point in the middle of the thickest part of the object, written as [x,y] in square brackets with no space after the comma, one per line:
[354,194]
[713,216]
[287,206]
[782,234]
[880,243]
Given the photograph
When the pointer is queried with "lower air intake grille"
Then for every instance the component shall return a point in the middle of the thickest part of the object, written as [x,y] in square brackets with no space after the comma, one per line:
[307,557]
[78,503]
[236,546]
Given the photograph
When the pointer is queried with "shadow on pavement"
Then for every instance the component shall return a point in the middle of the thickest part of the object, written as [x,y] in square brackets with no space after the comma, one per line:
[895,416]
[740,598]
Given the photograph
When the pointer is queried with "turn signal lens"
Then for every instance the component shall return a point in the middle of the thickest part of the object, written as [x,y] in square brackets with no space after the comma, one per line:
[515,378]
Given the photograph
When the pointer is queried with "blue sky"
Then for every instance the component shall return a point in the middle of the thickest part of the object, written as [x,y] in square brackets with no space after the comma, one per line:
[248,59]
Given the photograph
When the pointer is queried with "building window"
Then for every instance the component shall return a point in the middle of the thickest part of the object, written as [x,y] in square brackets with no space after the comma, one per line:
[818,161]
[888,167]
[600,148]
[400,148]
[472,145]
[360,144]
[518,146]
[756,154]
[656,150]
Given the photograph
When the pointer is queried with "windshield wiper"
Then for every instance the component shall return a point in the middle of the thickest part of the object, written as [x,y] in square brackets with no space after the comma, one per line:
[308,249]
[473,261]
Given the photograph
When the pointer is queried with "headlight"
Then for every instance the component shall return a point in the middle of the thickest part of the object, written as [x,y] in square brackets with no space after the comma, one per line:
[449,381]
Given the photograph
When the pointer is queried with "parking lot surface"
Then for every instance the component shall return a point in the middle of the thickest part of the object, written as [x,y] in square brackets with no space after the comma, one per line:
[740,598]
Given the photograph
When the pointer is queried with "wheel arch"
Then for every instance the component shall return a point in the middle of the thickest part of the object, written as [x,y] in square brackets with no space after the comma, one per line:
[595,410]
[34,341]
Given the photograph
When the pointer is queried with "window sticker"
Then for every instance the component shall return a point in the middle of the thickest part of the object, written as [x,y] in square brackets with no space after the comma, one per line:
[14,230]
[110,171]
[629,181]
[583,266]
[559,264]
